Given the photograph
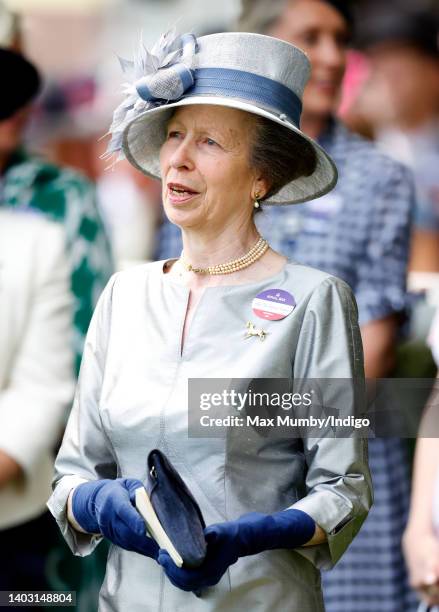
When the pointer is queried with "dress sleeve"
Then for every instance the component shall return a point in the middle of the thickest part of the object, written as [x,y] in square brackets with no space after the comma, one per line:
[86,452]
[381,282]
[338,483]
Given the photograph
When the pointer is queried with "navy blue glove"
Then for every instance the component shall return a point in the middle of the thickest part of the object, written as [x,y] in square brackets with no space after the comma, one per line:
[107,507]
[226,542]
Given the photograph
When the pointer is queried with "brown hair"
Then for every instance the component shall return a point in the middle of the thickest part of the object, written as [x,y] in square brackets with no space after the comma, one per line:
[280,154]
[259,15]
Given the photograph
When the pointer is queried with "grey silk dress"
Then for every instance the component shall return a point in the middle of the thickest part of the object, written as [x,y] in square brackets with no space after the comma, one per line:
[132,396]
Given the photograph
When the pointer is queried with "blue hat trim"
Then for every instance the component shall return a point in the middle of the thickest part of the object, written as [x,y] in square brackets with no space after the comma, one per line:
[248,87]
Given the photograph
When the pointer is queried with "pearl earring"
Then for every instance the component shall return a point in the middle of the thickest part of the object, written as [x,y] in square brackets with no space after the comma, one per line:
[257,196]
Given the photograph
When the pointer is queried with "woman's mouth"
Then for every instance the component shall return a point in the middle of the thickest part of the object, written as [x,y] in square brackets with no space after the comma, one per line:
[327,86]
[180,193]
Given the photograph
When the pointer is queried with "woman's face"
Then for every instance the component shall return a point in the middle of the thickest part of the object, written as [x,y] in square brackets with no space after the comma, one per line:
[205,167]
[321,31]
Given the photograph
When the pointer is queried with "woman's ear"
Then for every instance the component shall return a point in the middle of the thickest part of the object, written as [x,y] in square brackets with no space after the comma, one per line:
[261,187]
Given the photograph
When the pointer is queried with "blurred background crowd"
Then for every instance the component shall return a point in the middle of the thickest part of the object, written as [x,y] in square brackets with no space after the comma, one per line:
[67,221]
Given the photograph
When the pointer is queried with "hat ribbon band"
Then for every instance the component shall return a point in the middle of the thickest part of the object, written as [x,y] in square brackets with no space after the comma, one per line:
[250,88]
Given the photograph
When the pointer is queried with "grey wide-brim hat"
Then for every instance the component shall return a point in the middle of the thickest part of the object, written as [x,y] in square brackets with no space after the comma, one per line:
[251,72]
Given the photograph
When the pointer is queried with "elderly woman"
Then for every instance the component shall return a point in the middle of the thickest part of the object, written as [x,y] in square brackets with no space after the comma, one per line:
[218,120]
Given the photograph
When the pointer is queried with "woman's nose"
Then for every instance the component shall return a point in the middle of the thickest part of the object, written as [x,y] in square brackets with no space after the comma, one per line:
[332,54]
[182,156]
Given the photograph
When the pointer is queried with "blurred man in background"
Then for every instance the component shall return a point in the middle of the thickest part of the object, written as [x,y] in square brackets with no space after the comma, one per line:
[31,185]
[36,361]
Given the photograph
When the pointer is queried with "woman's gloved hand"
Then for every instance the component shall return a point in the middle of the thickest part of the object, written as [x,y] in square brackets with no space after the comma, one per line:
[107,507]
[226,542]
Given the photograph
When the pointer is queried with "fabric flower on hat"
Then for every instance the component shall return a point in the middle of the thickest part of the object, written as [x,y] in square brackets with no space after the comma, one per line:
[153,78]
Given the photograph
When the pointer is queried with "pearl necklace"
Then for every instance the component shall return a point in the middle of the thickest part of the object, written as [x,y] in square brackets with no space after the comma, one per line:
[234,265]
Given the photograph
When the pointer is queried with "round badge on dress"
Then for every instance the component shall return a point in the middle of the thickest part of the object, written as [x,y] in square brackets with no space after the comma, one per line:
[273,304]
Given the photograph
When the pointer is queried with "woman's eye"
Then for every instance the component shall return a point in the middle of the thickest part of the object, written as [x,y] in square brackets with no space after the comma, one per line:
[210,142]
[174,134]
[310,37]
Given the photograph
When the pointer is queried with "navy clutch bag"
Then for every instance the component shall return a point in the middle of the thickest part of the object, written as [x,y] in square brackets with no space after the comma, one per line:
[177,511]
